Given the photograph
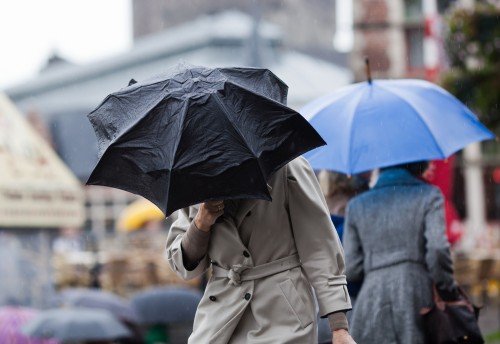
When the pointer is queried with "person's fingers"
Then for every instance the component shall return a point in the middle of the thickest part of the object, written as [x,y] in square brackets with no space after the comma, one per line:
[214,203]
[215,206]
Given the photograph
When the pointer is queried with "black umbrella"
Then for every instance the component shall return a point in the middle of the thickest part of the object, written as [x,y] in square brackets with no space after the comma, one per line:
[166,305]
[197,134]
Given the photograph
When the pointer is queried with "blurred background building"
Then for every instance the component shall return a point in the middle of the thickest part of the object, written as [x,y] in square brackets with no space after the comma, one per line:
[309,26]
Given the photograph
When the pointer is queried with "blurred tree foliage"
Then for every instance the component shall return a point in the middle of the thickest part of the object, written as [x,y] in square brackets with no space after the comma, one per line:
[472,42]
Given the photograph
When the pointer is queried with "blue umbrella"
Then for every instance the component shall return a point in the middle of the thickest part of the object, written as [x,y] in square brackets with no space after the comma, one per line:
[382,123]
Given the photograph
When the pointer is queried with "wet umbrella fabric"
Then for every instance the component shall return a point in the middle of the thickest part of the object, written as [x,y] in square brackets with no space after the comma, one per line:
[166,305]
[75,324]
[195,134]
[389,122]
[11,321]
[98,299]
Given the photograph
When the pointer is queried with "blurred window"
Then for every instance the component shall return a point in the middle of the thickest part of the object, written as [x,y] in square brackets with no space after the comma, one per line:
[443,5]
[414,35]
[413,10]
[491,179]
[415,47]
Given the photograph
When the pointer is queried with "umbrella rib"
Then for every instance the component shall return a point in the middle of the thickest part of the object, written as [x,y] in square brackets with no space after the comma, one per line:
[418,117]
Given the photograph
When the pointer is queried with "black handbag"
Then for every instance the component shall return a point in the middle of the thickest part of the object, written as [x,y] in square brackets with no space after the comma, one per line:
[450,322]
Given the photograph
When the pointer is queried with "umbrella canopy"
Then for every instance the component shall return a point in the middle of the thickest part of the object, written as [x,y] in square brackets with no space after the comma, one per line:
[382,123]
[166,305]
[11,321]
[98,299]
[195,134]
[136,214]
[75,324]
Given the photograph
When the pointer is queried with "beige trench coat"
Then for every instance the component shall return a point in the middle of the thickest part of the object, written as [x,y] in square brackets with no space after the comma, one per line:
[279,308]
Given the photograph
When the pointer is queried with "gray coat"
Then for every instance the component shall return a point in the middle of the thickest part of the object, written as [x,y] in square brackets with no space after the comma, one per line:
[277,308]
[395,241]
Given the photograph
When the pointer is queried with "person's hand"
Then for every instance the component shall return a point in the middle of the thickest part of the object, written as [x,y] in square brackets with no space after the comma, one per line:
[342,337]
[208,214]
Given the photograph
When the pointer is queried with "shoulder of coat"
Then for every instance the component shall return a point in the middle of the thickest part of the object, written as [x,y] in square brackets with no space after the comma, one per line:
[299,163]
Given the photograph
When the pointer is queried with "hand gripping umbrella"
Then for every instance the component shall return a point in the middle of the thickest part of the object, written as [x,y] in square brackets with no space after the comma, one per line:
[381,123]
[195,134]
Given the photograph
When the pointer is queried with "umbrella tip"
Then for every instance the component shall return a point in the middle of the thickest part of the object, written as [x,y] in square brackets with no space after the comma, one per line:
[368,71]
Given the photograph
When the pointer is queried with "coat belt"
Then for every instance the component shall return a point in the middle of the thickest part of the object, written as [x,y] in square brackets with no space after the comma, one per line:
[239,273]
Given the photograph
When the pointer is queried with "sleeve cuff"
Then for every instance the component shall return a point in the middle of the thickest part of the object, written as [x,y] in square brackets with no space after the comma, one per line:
[194,246]
[338,321]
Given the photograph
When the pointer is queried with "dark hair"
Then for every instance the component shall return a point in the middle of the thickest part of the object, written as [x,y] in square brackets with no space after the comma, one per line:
[416,168]
[335,183]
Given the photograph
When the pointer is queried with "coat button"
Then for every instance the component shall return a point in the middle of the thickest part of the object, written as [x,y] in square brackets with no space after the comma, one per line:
[246,254]
[212,298]
[248,296]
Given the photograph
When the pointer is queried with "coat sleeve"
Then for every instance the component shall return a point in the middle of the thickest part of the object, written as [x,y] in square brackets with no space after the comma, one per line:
[438,255]
[173,248]
[352,246]
[316,239]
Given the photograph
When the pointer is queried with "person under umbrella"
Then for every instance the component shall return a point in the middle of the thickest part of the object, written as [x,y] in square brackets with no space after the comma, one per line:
[338,189]
[195,136]
[265,257]
[395,242]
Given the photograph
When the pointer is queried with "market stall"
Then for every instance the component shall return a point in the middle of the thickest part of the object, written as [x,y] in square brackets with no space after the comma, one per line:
[36,188]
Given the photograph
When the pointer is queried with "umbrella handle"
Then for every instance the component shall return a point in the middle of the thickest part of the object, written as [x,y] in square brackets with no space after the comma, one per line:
[368,71]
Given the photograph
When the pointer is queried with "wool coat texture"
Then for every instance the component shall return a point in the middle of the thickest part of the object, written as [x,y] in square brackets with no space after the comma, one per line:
[280,308]
[395,242]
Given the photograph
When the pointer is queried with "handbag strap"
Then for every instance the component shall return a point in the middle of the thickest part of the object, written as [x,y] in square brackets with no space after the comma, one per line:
[441,304]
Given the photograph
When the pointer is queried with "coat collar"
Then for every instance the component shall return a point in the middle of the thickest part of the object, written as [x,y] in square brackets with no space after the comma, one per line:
[231,223]
[244,207]
[397,176]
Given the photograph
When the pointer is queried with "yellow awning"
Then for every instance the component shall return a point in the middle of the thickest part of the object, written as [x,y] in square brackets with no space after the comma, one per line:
[36,188]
